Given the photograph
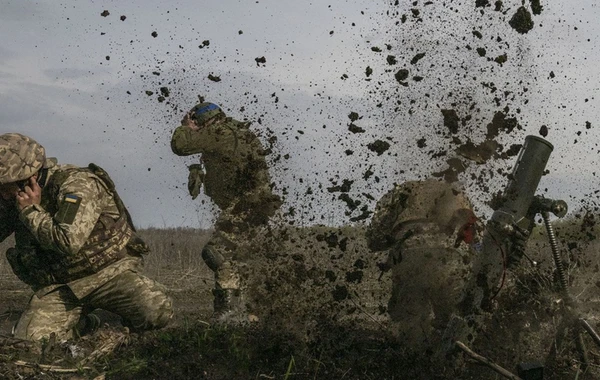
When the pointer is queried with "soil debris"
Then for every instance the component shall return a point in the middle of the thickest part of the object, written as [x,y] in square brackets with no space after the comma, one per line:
[355,128]
[401,75]
[451,173]
[214,78]
[451,120]
[417,58]
[344,187]
[501,59]
[536,7]
[521,20]
[353,116]
[378,146]
[501,123]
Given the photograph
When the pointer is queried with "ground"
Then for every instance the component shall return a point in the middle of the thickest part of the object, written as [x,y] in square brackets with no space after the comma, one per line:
[323,316]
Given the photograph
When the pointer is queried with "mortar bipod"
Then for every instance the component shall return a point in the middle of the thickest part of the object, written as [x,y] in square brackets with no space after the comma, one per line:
[559,208]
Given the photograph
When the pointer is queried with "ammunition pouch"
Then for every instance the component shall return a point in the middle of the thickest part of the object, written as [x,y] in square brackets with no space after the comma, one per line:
[105,246]
[29,267]
[136,246]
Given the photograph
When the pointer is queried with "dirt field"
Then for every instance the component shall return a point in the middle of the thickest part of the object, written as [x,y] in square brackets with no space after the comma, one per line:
[325,318]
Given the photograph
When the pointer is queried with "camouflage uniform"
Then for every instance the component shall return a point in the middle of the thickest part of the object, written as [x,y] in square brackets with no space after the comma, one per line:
[235,176]
[78,251]
[430,230]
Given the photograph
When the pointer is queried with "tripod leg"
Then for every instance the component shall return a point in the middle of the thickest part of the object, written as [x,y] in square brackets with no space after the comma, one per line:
[561,332]
[582,349]
[590,331]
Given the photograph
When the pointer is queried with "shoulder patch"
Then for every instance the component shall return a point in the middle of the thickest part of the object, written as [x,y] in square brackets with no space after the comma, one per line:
[67,210]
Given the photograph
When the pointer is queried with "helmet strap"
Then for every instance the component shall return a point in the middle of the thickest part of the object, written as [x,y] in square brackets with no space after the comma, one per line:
[43,176]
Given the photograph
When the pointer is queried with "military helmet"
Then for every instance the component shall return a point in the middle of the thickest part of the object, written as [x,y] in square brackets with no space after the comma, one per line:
[203,112]
[20,157]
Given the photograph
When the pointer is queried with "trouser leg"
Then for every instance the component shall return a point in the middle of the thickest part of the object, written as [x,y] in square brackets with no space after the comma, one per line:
[141,302]
[227,289]
[56,312]
[219,254]
[227,276]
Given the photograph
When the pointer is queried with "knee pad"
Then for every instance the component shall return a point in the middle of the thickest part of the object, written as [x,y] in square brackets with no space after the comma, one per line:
[212,258]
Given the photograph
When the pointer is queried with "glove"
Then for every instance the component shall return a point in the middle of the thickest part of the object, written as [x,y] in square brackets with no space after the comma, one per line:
[518,241]
[195,179]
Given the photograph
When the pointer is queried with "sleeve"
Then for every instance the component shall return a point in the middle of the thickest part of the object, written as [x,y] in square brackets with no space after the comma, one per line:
[380,232]
[185,141]
[7,220]
[80,200]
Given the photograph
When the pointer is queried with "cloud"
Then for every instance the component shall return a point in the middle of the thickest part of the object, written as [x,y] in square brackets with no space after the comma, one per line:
[5,55]
[69,73]
[90,109]
[15,11]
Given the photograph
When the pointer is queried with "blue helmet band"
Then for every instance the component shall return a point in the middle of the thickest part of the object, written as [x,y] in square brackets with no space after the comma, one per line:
[209,107]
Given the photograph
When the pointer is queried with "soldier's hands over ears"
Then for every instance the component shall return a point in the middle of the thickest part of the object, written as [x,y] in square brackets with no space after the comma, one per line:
[30,195]
[189,123]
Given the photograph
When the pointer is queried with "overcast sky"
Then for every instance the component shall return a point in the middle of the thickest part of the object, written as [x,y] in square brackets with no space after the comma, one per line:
[76,81]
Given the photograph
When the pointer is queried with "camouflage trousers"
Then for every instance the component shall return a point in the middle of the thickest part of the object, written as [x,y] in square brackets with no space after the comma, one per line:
[226,254]
[428,277]
[237,238]
[139,301]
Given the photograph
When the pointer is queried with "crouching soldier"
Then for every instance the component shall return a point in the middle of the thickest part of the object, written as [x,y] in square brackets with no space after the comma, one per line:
[234,173]
[75,245]
[429,230]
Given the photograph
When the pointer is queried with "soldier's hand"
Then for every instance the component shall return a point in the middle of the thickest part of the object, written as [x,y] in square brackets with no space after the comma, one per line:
[30,195]
[188,122]
[518,241]
[195,179]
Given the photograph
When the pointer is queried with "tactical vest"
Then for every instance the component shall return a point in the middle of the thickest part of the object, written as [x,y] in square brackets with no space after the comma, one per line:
[109,241]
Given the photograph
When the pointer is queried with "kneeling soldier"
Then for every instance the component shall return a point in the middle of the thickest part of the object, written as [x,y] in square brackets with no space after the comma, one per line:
[75,245]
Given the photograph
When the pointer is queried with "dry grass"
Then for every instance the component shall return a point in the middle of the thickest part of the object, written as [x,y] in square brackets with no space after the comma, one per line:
[175,258]
[347,337]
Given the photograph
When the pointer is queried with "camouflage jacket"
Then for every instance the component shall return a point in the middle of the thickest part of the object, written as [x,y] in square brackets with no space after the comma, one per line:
[416,209]
[233,156]
[79,228]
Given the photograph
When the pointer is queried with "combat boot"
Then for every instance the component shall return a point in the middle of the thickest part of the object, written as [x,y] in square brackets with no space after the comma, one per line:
[228,307]
[88,325]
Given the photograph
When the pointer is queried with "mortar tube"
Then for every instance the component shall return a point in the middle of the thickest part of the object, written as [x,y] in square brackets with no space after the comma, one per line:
[525,178]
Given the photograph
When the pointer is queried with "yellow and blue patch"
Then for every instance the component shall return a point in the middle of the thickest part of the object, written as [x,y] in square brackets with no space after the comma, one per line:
[71,198]
[68,208]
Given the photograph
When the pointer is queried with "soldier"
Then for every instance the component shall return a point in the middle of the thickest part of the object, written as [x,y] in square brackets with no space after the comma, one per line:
[429,229]
[75,245]
[234,172]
